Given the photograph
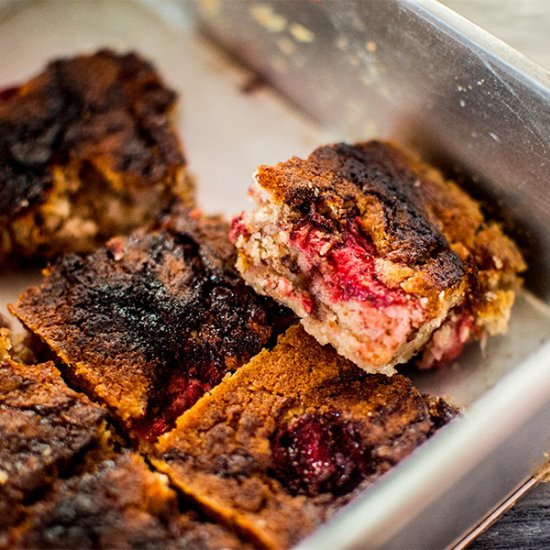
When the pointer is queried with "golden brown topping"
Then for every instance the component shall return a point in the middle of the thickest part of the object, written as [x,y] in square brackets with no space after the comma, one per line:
[291,437]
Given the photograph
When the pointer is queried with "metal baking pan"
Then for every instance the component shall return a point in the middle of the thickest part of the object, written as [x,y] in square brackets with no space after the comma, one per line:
[349,70]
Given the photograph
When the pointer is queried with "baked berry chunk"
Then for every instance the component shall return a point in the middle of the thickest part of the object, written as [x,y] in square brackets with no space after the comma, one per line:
[150,322]
[44,427]
[291,437]
[87,150]
[378,255]
[118,503]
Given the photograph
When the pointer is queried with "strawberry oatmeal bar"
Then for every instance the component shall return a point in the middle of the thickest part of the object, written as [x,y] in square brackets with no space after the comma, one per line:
[44,427]
[291,437]
[117,502]
[378,255]
[150,322]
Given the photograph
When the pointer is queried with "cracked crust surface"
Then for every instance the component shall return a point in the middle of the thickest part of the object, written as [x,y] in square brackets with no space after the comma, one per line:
[374,250]
[119,503]
[150,322]
[44,426]
[62,485]
[87,150]
[221,451]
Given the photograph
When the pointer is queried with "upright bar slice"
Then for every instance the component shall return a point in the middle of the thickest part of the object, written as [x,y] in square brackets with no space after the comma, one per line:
[292,436]
[87,150]
[378,255]
[150,322]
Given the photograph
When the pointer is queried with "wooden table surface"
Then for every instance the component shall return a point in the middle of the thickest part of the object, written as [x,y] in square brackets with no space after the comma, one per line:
[526,525]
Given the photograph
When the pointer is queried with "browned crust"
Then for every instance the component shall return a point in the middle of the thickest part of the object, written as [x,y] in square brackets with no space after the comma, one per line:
[339,183]
[101,122]
[219,453]
[120,503]
[138,319]
[413,216]
[44,426]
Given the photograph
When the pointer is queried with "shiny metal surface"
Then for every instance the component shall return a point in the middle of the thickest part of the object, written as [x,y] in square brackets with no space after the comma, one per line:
[495,514]
[416,72]
[523,25]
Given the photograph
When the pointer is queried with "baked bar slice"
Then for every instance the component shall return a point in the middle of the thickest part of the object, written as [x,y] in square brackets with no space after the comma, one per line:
[291,437]
[378,254]
[119,503]
[150,322]
[44,427]
[87,150]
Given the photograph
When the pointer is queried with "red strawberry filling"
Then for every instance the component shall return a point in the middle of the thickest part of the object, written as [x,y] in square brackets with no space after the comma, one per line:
[238,227]
[323,453]
[181,392]
[449,340]
[347,266]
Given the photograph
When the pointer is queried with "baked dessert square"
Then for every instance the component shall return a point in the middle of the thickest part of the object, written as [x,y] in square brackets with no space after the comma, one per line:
[44,427]
[378,255]
[88,150]
[150,322]
[292,436]
[118,503]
